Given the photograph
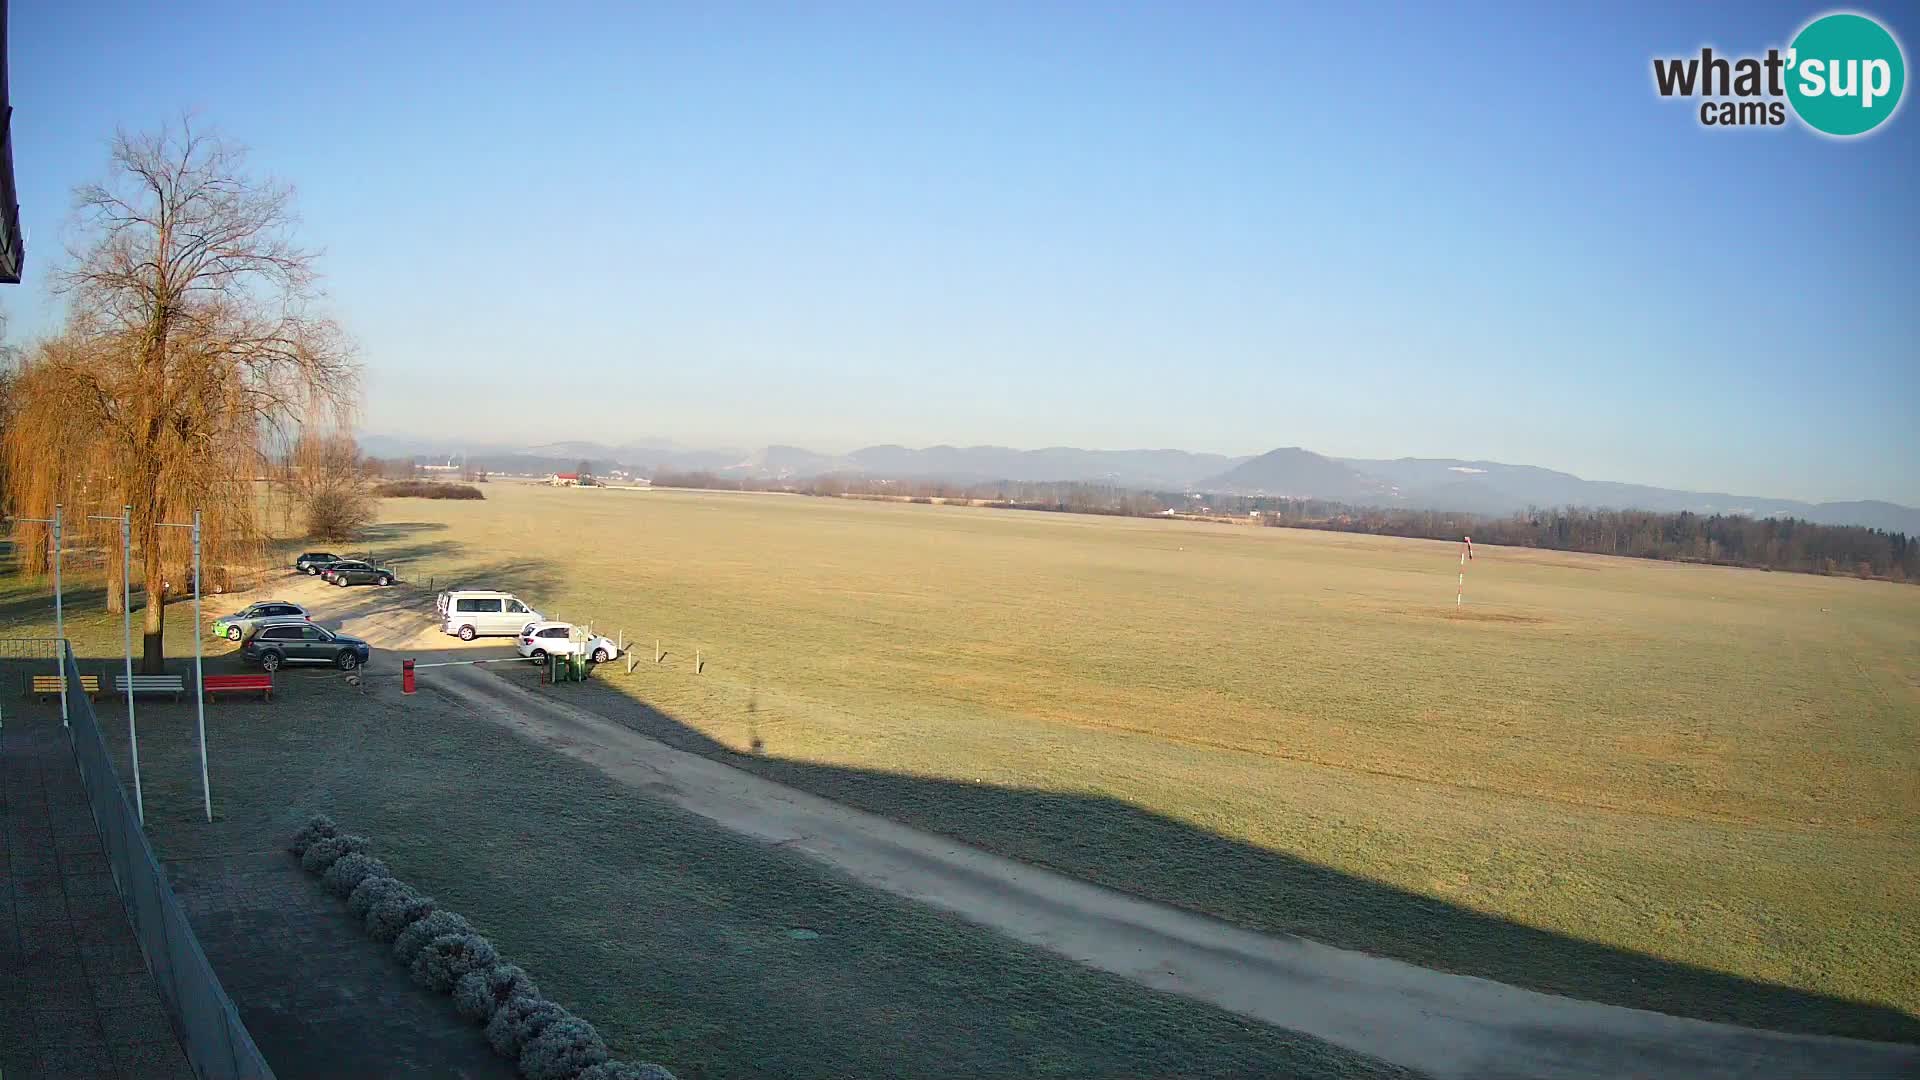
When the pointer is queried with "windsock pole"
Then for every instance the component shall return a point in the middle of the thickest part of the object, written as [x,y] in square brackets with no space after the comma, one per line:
[1460,588]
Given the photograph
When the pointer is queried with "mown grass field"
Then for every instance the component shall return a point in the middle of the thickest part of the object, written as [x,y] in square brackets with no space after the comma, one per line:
[1684,788]
[676,938]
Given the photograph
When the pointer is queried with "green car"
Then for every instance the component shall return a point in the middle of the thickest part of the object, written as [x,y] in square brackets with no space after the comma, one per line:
[237,626]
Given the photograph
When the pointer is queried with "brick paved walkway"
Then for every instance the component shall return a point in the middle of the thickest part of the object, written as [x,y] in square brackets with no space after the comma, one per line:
[76,1002]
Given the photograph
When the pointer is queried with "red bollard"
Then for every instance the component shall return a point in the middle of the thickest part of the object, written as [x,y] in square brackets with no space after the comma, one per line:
[406,676]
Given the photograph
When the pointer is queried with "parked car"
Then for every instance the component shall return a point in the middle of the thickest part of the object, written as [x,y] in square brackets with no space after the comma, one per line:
[301,642]
[472,613]
[540,640]
[360,573]
[328,571]
[313,561]
[240,624]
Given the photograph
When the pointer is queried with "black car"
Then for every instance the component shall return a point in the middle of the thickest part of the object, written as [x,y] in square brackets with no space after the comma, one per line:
[314,561]
[277,643]
[359,573]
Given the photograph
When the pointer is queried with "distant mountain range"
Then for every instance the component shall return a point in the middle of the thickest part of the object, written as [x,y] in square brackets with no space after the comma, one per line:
[1484,487]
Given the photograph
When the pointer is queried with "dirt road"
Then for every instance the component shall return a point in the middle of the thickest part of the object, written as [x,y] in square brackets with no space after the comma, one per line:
[1442,1024]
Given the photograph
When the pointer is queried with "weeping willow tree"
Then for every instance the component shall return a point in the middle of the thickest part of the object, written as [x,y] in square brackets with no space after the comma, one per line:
[189,348]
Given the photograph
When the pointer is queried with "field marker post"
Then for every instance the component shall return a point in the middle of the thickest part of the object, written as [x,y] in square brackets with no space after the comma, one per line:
[698,663]
[1460,587]
[656,650]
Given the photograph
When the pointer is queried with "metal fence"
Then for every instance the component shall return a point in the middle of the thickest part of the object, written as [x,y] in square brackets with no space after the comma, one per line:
[217,1043]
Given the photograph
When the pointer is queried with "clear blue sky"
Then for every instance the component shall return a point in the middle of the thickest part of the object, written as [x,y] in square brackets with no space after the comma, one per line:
[1377,232]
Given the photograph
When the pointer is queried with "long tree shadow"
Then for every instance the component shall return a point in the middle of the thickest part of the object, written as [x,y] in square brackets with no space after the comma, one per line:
[1127,848]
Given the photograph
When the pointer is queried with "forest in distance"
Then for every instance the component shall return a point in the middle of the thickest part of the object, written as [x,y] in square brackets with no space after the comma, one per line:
[1770,543]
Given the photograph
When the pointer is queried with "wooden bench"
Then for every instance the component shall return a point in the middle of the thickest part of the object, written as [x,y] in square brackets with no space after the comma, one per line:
[46,686]
[151,684]
[231,684]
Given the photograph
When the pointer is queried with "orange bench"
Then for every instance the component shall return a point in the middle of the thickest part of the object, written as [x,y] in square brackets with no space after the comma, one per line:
[229,684]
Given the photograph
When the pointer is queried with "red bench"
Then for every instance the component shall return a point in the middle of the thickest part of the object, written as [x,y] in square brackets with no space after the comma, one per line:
[227,684]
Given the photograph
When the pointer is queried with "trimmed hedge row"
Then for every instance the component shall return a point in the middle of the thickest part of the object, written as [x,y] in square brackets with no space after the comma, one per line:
[443,952]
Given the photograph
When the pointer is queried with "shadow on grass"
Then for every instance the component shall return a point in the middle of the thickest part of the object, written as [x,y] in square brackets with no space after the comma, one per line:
[1127,848]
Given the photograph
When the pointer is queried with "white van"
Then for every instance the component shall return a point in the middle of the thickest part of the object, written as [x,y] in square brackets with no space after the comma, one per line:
[473,613]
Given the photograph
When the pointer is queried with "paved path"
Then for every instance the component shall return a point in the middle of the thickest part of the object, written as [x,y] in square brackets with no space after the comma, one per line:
[1446,1025]
[321,999]
[76,1001]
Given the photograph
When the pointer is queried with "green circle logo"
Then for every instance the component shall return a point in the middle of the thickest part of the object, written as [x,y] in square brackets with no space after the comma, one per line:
[1845,73]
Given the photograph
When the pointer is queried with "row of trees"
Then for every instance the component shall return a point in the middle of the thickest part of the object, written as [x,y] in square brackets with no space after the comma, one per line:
[192,346]
[1722,539]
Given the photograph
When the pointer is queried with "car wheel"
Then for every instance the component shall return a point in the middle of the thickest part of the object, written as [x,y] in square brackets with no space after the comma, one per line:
[340,581]
[539,658]
[270,661]
[466,633]
[599,656]
[313,571]
[233,633]
[348,661]
[384,580]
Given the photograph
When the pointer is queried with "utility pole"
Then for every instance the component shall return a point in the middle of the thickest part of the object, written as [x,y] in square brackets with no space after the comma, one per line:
[126,622]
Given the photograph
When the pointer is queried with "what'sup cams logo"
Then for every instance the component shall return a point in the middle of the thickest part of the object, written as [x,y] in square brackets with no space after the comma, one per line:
[1842,76]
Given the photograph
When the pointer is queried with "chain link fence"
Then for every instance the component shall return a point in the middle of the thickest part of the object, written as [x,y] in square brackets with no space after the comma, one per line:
[217,1043]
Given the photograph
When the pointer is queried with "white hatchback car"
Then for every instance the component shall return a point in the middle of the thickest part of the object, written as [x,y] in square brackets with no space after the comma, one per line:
[539,640]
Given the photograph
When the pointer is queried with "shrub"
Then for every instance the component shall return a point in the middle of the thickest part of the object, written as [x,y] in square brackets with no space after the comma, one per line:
[322,853]
[338,511]
[626,1070]
[418,936]
[348,871]
[518,1021]
[479,993]
[396,910]
[450,956]
[561,1050]
[427,489]
[318,827]
[371,888]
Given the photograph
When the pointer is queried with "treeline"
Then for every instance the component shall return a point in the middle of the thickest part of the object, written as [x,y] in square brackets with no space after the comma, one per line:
[1720,539]
[426,489]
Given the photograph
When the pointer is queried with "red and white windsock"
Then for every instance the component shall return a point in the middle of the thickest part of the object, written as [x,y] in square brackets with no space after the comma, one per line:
[1466,556]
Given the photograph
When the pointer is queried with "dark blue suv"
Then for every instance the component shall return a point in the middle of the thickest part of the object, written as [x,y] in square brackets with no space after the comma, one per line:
[277,643]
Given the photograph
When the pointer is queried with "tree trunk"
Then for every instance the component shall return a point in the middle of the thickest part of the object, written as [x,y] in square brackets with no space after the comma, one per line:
[153,660]
[114,606]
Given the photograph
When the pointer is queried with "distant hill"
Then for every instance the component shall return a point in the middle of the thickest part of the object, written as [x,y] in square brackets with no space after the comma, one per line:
[1481,487]
[1298,473]
[1492,487]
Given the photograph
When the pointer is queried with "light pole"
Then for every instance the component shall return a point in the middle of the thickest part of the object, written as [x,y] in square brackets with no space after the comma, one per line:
[126,621]
[199,684]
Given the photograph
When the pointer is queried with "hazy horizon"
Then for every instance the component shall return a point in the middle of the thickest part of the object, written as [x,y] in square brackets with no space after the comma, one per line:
[1052,227]
[454,445]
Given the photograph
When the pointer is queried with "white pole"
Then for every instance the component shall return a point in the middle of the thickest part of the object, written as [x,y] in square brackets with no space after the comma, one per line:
[199,684]
[59,612]
[126,623]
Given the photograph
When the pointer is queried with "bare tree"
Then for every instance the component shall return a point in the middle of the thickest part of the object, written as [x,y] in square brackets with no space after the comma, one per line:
[190,341]
[328,480]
